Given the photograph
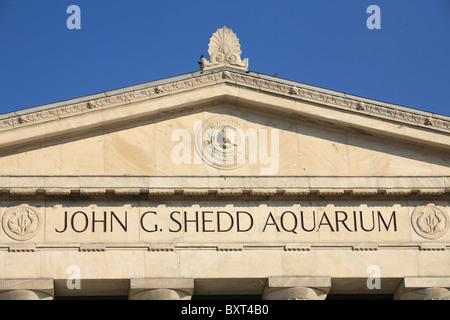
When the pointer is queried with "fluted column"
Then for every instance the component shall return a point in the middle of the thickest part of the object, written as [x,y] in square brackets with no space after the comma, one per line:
[26,289]
[161,289]
[297,288]
[423,288]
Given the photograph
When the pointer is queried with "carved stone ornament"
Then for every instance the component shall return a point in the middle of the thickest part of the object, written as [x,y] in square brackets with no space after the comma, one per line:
[220,142]
[224,51]
[21,223]
[430,222]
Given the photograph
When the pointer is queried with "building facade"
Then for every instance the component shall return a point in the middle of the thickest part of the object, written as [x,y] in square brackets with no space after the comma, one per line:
[224,181]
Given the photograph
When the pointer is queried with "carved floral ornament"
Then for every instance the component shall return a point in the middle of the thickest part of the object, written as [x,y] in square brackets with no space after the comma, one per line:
[21,222]
[224,51]
[430,222]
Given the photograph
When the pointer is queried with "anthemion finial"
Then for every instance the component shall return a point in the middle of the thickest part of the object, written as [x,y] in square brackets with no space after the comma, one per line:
[224,51]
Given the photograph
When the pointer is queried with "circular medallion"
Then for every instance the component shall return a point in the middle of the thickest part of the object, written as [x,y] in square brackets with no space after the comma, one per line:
[429,222]
[221,142]
[21,223]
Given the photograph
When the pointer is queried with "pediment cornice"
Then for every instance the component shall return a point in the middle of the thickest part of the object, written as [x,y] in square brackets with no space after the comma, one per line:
[289,90]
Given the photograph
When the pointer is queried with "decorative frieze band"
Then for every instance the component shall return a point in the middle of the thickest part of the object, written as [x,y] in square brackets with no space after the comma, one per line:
[250,80]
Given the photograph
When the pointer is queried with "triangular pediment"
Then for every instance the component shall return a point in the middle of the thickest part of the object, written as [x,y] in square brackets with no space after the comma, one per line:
[288,129]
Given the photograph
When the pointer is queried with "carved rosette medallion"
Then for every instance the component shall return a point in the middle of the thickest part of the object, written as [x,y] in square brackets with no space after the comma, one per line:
[430,222]
[221,142]
[21,223]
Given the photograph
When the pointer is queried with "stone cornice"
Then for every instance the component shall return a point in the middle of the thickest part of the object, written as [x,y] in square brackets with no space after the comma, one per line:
[225,75]
[92,105]
[220,188]
[170,194]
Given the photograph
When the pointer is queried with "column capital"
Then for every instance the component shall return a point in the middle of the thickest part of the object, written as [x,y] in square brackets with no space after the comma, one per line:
[26,289]
[161,289]
[297,288]
[423,288]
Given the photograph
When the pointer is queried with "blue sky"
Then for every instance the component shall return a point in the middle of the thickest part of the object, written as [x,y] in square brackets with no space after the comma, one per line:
[324,43]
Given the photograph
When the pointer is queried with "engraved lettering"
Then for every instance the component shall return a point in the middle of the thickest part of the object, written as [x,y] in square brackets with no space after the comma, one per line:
[176,221]
[328,223]
[219,221]
[86,222]
[392,219]
[273,223]
[143,225]
[65,224]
